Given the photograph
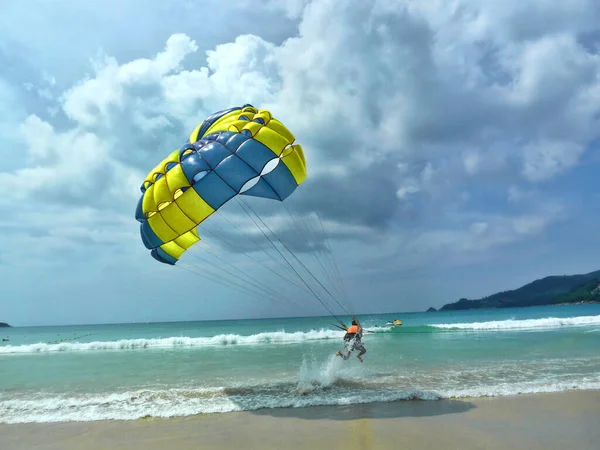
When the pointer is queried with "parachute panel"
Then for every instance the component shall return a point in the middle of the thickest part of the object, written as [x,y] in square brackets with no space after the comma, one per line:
[160,255]
[228,151]
[262,189]
[270,138]
[235,171]
[194,206]
[176,179]
[149,237]
[295,162]
[202,129]
[177,219]
[160,168]
[158,224]
[255,154]
[214,190]
[213,152]
[281,180]
[281,129]
[162,194]
[186,240]
[173,249]
[181,244]
[192,164]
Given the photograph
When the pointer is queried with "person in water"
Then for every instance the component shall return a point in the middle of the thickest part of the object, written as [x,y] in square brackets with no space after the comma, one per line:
[352,341]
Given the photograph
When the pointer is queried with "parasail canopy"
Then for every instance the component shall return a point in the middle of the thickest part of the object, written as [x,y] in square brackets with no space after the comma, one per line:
[238,151]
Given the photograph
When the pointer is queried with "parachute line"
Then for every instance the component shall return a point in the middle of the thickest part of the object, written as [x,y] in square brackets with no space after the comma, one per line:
[332,257]
[327,262]
[255,260]
[252,281]
[305,234]
[216,279]
[301,263]
[292,267]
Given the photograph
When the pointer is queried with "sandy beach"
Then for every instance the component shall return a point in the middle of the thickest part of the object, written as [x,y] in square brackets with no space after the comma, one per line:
[566,420]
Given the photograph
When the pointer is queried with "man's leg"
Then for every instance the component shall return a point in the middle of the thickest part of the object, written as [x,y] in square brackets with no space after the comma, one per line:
[348,350]
[363,350]
[346,356]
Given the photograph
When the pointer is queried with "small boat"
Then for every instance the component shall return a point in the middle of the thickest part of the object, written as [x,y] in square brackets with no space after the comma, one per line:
[395,323]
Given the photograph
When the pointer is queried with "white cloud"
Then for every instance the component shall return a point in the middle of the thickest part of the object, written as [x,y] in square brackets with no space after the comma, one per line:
[48,78]
[403,192]
[478,227]
[91,100]
[414,185]
[55,236]
[482,236]
[545,159]
[11,112]
[471,161]
[516,194]
[293,8]
[395,104]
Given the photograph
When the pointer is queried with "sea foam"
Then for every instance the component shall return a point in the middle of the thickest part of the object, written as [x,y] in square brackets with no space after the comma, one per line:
[512,324]
[135,404]
[277,337]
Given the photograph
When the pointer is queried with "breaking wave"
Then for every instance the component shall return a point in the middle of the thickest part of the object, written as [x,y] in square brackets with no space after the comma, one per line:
[278,337]
[178,402]
[523,324]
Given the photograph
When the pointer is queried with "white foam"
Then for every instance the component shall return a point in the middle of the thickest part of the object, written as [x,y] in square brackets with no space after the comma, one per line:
[184,402]
[314,375]
[532,387]
[385,329]
[511,324]
[277,337]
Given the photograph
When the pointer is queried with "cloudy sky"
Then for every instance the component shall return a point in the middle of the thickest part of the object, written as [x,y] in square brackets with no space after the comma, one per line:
[452,146]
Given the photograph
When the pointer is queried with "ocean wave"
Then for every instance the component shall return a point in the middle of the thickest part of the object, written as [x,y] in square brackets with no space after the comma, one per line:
[513,324]
[277,337]
[317,383]
[136,404]
[174,403]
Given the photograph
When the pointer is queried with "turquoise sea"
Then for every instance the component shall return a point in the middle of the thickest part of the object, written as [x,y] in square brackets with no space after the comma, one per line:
[128,371]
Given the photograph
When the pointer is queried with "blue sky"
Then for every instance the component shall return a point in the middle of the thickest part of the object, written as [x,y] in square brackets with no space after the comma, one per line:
[452,147]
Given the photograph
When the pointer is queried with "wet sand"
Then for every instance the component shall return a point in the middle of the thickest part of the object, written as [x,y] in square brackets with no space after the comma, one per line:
[566,420]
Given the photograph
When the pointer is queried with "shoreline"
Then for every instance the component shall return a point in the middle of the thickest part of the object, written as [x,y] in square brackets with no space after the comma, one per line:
[557,420]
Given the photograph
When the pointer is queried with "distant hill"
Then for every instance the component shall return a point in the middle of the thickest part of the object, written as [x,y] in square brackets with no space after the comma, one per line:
[4,325]
[546,291]
[588,292]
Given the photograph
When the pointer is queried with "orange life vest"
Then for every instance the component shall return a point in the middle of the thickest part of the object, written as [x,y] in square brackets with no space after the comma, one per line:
[353,329]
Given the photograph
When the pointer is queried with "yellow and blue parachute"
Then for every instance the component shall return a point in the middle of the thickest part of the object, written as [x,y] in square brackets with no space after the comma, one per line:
[240,150]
